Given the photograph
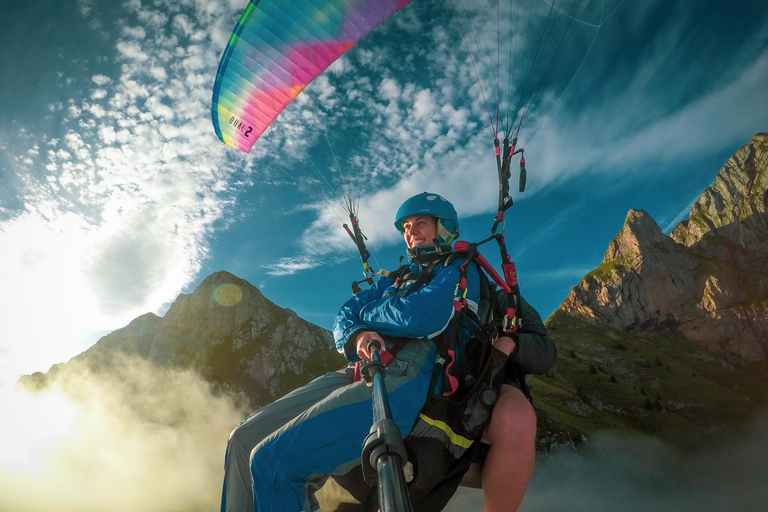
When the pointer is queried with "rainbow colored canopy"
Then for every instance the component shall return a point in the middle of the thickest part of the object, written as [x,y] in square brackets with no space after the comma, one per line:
[276,49]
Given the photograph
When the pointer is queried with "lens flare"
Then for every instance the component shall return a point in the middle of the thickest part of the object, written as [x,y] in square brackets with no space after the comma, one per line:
[228,294]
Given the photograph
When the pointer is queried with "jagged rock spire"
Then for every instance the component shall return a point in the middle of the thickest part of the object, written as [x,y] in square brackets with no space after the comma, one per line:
[735,206]
[708,279]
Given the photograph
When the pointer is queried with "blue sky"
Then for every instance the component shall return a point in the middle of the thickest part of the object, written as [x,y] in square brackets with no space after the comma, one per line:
[116,196]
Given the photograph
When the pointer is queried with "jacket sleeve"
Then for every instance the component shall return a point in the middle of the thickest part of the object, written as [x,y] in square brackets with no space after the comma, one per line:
[425,313]
[536,352]
[348,322]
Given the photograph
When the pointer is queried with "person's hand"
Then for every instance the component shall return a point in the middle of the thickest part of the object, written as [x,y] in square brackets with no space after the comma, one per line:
[506,344]
[364,338]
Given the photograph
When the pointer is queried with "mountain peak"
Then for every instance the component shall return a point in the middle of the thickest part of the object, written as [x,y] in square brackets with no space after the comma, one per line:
[219,303]
[735,206]
[639,233]
[706,280]
[231,334]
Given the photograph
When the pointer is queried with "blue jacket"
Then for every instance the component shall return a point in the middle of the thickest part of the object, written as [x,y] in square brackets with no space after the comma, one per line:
[423,314]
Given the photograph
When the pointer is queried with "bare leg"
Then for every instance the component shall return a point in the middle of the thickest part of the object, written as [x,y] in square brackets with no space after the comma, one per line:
[509,464]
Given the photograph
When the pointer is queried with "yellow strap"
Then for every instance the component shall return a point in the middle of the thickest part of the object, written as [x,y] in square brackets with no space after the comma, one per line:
[453,436]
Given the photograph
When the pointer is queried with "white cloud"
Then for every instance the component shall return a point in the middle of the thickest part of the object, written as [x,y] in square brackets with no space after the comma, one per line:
[636,473]
[85,7]
[184,24]
[685,132]
[116,219]
[101,80]
[158,73]
[107,134]
[290,266]
[682,215]
[134,32]
[152,19]
[156,107]
[607,136]
[389,89]
[424,104]
[43,251]
[131,50]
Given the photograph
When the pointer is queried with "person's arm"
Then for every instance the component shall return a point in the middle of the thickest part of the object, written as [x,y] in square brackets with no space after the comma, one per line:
[348,324]
[534,351]
[426,312]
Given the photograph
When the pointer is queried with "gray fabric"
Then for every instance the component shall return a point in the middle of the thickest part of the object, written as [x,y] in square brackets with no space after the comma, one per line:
[325,393]
[259,425]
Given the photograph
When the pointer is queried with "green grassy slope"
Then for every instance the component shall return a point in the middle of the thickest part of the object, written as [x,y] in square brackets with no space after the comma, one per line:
[653,382]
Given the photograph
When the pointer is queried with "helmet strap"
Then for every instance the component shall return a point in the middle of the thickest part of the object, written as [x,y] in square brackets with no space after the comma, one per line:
[427,253]
[443,234]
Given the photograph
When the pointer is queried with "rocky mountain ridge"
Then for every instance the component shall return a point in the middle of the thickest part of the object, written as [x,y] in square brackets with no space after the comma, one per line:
[707,280]
[230,334]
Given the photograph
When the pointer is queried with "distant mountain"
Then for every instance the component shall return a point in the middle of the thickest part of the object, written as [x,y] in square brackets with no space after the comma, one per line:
[230,334]
[708,280]
[669,334]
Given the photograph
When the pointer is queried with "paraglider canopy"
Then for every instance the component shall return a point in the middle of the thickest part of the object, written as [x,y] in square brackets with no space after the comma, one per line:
[276,49]
[515,49]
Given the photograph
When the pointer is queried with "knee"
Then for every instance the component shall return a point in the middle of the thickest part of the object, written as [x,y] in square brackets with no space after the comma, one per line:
[268,468]
[237,433]
[233,434]
[257,462]
[243,438]
[513,418]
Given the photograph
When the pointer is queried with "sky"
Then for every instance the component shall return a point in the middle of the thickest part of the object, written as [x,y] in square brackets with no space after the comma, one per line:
[116,196]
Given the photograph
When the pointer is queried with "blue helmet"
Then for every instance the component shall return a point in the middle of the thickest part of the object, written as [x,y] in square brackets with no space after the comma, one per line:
[431,205]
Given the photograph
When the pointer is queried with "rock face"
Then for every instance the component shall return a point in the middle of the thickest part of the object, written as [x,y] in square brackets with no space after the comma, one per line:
[707,280]
[232,335]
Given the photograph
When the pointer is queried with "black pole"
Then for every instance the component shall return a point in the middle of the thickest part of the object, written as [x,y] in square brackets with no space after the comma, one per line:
[384,452]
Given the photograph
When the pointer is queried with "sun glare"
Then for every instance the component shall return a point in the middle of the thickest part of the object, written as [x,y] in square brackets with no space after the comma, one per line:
[32,427]
[50,303]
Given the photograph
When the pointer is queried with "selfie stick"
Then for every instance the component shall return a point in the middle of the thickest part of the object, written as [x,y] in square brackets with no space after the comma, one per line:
[383,451]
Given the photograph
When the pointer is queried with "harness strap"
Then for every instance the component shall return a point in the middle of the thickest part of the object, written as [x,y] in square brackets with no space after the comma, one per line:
[508,284]
[444,348]
[453,382]
[460,296]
